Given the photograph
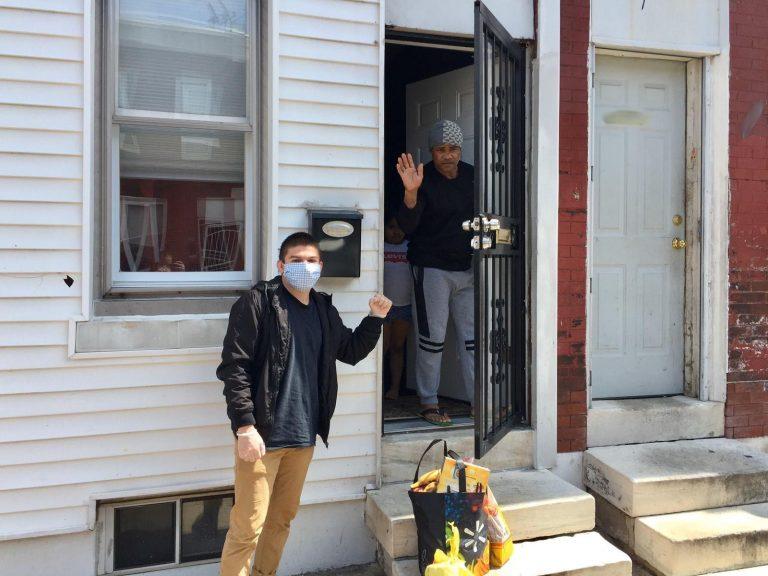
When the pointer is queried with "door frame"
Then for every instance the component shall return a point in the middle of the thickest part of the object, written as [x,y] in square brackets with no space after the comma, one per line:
[542,161]
[706,221]
[545,447]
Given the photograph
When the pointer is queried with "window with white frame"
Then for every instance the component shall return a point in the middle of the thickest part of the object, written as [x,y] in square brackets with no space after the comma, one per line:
[164,532]
[180,136]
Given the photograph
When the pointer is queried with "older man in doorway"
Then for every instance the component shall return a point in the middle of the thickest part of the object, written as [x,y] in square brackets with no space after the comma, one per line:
[438,197]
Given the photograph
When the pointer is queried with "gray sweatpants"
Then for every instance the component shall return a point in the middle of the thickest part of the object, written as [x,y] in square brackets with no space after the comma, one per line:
[436,295]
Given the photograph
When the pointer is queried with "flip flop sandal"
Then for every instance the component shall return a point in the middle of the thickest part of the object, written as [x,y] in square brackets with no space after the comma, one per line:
[438,411]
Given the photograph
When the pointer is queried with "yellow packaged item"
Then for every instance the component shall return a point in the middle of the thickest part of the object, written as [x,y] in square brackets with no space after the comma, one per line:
[450,564]
[501,552]
[475,475]
[499,534]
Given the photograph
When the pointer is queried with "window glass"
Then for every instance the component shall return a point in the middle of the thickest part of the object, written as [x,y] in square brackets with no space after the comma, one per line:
[204,523]
[145,535]
[183,56]
[182,206]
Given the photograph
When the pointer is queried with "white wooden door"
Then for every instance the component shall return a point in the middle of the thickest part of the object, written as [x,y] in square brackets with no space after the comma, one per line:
[637,277]
[448,96]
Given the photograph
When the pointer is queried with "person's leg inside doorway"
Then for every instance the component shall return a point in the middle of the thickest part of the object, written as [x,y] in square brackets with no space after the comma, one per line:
[395,338]
[432,293]
[463,315]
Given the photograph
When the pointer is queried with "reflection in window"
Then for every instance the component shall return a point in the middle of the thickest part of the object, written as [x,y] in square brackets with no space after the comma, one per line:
[204,523]
[181,200]
[145,535]
[187,57]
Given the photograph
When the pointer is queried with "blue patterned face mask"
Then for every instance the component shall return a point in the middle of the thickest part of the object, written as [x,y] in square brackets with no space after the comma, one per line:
[302,275]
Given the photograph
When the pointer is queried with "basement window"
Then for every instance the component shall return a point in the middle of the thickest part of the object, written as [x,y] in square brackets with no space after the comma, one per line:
[165,532]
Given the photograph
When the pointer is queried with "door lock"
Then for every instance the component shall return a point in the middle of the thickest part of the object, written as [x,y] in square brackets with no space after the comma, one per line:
[487,242]
[491,224]
[677,219]
[679,244]
[481,222]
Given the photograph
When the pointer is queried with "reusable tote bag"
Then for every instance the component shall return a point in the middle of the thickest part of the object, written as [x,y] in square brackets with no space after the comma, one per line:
[434,512]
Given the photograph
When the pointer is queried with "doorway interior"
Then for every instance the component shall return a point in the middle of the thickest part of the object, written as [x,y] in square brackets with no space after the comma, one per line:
[426,79]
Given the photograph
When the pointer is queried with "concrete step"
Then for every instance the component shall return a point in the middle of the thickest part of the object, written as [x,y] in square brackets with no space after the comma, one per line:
[586,554]
[536,503]
[667,477]
[756,571]
[720,530]
[704,541]
[401,452]
[638,420]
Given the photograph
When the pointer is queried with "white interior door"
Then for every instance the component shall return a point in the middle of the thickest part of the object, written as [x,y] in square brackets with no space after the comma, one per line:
[637,276]
[449,96]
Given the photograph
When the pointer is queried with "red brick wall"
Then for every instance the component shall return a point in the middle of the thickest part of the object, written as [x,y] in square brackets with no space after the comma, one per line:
[572,240]
[747,404]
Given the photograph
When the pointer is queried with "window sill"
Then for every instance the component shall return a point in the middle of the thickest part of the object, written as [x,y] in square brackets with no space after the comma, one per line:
[142,336]
[164,306]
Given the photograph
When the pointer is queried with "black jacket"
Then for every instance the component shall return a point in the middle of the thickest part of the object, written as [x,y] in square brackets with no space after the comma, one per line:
[256,351]
[436,239]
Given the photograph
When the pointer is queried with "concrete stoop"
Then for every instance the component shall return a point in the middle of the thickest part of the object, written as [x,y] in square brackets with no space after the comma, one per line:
[537,504]
[585,554]
[756,571]
[666,477]
[400,453]
[684,508]
[639,420]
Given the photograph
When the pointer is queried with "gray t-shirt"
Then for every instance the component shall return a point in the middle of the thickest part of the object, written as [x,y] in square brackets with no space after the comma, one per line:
[298,406]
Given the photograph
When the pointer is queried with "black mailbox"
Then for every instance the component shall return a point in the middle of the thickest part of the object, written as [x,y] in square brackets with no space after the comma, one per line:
[339,233]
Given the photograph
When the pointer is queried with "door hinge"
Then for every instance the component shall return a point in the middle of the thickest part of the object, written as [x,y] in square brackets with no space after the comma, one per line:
[593,79]
[589,379]
[592,173]
[590,284]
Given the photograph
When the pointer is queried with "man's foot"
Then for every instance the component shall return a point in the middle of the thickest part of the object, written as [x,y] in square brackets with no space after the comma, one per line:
[436,415]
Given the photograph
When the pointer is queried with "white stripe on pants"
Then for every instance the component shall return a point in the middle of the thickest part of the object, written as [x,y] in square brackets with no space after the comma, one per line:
[438,294]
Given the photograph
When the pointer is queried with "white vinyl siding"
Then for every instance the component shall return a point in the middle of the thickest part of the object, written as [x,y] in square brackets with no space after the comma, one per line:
[329,157]
[71,430]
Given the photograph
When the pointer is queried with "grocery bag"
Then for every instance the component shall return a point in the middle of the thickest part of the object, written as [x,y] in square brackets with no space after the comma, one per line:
[434,513]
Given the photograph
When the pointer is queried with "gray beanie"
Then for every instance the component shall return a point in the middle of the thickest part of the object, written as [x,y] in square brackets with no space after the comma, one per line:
[445,132]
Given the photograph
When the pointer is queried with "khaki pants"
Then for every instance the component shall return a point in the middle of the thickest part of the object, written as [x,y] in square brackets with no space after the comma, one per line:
[267,494]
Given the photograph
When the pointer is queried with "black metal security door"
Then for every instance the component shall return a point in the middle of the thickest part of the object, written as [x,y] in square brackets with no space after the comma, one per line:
[499,226]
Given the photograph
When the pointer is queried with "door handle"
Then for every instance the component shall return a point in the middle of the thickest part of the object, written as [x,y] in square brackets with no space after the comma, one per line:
[679,243]
[471,225]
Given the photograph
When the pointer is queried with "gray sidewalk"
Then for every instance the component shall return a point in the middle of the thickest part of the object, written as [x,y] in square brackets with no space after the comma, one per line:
[363,570]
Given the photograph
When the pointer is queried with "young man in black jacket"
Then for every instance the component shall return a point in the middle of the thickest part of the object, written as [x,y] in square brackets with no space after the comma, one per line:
[279,372]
